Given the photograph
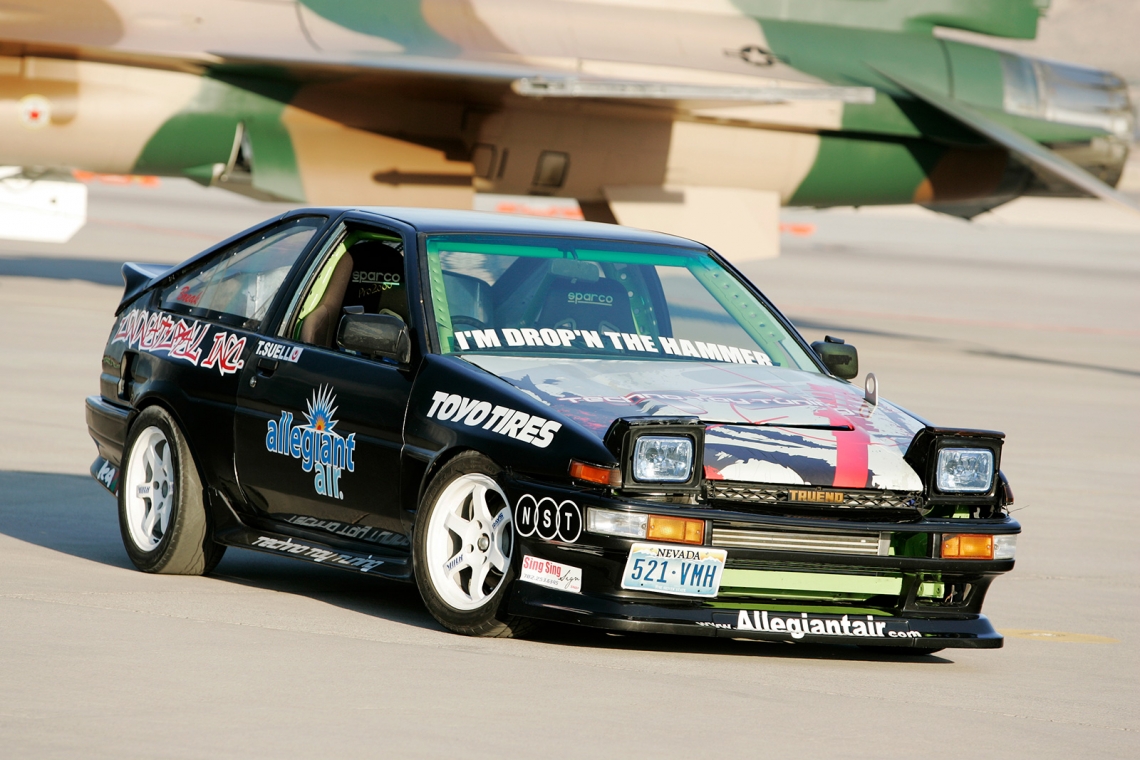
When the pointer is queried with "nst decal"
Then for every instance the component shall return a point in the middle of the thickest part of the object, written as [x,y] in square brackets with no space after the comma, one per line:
[547,519]
[320,448]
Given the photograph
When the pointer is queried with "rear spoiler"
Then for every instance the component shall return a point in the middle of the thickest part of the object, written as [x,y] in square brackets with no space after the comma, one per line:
[137,278]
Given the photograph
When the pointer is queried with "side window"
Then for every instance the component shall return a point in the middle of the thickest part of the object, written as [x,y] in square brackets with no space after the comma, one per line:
[365,273]
[238,285]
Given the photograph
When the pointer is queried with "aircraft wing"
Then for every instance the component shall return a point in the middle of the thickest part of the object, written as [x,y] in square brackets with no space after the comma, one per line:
[573,87]
[1028,150]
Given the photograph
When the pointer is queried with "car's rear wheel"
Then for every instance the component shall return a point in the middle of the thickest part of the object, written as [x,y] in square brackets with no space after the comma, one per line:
[162,514]
[464,543]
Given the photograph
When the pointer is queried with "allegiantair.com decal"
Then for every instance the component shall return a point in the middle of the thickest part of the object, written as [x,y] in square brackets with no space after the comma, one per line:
[159,333]
[798,625]
[528,428]
[322,451]
[593,340]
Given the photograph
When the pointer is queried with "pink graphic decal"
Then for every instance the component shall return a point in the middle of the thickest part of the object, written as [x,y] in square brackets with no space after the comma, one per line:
[159,333]
[187,338]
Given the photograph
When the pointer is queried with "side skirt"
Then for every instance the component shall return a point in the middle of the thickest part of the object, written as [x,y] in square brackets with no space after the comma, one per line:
[393,567]
[107,474]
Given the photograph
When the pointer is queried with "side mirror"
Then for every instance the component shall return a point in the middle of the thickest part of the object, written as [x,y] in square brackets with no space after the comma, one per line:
[375,335]
[840,359]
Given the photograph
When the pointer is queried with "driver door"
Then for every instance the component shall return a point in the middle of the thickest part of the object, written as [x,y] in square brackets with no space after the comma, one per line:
[319,431]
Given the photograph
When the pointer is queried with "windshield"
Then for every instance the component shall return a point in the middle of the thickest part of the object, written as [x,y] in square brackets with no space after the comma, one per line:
[518,296]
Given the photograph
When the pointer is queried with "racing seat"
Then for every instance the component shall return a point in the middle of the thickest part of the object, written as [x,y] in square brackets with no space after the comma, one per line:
[377,281]
[320,326]
[578,304]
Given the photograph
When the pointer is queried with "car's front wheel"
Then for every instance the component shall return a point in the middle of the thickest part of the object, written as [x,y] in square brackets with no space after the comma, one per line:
[162,515]
[464,543]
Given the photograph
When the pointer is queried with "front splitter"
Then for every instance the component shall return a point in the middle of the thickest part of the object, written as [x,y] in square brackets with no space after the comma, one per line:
[751,622]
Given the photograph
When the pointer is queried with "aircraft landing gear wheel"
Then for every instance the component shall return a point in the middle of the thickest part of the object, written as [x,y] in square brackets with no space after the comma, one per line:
[162,515]
[464,543]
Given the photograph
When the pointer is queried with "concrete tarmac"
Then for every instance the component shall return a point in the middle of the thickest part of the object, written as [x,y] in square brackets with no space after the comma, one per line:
[1030,330]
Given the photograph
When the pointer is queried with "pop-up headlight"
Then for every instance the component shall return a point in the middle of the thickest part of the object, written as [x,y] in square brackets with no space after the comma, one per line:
[964,470]
[960,470]
[658,455]
[662,459]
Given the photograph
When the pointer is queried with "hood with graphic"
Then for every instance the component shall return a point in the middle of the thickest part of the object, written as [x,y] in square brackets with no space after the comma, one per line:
[764,424]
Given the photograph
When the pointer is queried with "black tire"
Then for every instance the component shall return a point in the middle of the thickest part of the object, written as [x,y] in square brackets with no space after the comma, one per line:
[489,617]
[182,544]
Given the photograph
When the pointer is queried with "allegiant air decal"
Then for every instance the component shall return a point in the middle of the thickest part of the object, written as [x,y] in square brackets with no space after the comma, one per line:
[532,429]
[159,333]
[804,624]
[474,340]
[322,450]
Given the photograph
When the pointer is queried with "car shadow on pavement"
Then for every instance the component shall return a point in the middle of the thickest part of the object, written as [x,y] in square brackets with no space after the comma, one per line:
[74,515]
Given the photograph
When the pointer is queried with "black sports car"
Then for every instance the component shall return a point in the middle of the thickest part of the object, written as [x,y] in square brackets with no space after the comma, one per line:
[537,419]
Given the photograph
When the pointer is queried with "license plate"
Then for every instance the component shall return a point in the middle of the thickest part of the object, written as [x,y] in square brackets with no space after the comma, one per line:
[680,570]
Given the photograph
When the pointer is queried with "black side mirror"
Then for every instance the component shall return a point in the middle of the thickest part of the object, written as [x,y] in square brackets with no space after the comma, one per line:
[840,359]
[375,335]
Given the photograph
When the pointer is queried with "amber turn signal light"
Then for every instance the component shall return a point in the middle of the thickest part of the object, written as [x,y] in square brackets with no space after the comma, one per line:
[681,530]
[592,473]
[967,546]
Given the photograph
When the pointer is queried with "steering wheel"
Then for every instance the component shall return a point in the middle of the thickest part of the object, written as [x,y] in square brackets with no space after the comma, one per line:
[466,321]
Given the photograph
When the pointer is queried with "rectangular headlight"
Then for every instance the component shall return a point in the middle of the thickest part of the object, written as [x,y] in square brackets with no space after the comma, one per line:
[965,470]
[662,459]
[608,523]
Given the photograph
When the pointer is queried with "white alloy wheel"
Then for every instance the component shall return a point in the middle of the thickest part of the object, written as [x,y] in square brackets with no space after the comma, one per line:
[149,484]
[470,541]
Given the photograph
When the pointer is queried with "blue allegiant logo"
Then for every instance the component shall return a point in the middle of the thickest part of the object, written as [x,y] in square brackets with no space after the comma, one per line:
[322,450]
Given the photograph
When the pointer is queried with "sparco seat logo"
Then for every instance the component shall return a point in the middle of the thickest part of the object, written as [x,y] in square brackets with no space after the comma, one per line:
[321,450]
[595,299]
[386,279]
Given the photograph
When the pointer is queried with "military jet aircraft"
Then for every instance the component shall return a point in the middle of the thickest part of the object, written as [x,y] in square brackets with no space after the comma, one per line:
[697,117]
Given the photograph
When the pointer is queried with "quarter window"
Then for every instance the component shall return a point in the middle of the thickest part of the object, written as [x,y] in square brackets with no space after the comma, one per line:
[239,285]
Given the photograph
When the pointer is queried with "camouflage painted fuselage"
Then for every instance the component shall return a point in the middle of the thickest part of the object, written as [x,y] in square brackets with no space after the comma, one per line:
[409,101]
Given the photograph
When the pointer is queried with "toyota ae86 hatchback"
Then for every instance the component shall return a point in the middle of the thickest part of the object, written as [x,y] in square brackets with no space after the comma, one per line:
[538,420]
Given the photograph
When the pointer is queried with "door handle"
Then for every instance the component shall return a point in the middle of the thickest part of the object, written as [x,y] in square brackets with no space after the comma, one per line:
[266,367]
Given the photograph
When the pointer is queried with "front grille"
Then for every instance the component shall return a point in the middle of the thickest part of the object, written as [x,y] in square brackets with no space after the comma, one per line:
[867,544]
[811,498]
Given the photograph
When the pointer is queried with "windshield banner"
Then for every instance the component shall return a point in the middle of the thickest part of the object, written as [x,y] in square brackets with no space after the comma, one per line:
[634,343]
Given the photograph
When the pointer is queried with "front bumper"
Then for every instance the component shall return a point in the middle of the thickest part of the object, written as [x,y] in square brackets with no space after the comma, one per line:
[724,620]
[928,602]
